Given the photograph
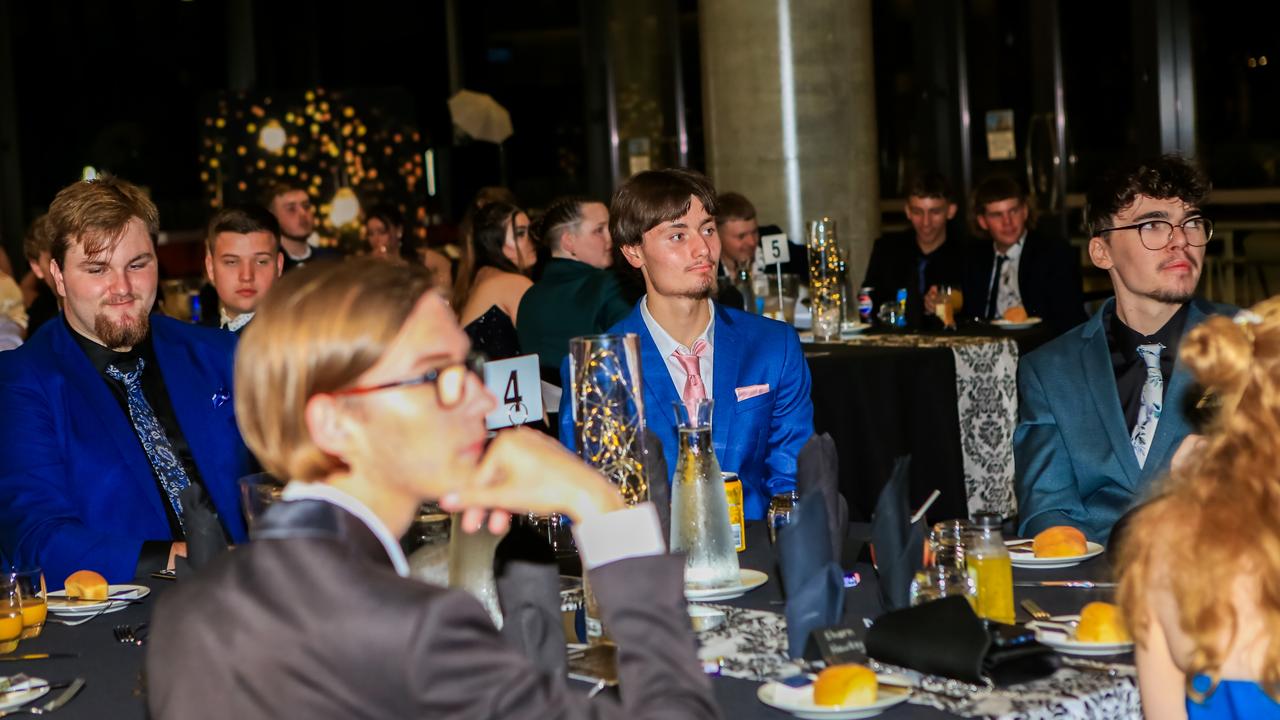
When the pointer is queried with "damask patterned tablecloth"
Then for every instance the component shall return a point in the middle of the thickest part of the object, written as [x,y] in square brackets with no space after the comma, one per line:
[987,403]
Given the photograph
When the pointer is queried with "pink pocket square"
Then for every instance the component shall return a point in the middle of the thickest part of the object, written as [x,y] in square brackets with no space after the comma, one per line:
[751,391]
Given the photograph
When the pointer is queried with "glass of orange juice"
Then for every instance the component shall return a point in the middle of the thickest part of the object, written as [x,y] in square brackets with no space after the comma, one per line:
[34,601]
[10,613]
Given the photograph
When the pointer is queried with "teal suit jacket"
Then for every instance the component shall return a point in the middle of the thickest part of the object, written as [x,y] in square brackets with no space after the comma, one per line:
[1074,464]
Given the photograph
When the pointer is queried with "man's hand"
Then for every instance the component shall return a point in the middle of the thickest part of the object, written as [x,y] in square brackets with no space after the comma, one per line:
[931,299]
[526,471]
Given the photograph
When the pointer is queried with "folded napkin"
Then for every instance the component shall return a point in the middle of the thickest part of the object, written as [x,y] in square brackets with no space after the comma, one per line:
[811,580]
[206,539]
[528,582]
[897,544]
[943,637]
[818,472]
[656,475]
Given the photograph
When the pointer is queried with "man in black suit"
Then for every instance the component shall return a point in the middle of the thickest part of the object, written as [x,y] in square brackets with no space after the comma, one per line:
[343,372]
[1020,267]
[924,259]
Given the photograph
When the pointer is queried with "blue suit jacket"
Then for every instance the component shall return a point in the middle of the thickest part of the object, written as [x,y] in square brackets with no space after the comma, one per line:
[76,489]
[758,438]
[1074,463]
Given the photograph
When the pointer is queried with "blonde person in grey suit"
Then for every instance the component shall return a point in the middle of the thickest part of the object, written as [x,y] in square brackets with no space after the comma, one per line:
[354,382]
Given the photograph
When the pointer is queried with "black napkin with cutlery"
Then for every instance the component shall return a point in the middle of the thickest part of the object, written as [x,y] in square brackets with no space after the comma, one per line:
[818,471]
[655,474]
[897,543]
[528,582]
[206,539]
[811,580]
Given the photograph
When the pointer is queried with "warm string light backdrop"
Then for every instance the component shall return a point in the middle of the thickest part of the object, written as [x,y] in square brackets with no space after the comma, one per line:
[347,149]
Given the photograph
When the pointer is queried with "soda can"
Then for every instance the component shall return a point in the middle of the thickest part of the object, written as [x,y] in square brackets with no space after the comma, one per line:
[865,306]
[733,493]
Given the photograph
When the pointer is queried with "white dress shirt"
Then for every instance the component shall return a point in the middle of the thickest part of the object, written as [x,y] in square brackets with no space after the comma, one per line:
[668,345]
[628,533]
[1008,294]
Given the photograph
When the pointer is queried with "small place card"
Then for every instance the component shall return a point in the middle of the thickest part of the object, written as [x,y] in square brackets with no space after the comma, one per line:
[840,644]
[517,384]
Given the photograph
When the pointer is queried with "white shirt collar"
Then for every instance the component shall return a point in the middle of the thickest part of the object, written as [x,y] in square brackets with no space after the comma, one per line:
[226,322]
[1014,252]
[667,344]
[296,490]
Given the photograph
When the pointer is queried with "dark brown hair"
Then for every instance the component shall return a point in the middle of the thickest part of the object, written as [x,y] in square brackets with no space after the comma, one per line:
[562,215]
[1162,178]
[488,235]
[734,206]
[929,184]
[242,220]
[653,197]
[95,214]
[39,238]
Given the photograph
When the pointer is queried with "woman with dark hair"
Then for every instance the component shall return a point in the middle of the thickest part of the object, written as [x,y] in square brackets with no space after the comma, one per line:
[492,279]
[385,231]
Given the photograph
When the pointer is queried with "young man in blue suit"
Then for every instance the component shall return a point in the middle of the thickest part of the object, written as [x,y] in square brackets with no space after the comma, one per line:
[753,368]
[1102,408]
[111,413]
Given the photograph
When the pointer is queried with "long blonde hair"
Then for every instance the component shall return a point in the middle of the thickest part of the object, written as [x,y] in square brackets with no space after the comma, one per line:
[1217,518]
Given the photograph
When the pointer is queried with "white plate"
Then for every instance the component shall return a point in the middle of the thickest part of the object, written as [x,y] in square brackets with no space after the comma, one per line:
[799,702]
[59,606]
[854,328]
[1010,325]
[1059,639]
[10,700]
[1027,559]
[748,580]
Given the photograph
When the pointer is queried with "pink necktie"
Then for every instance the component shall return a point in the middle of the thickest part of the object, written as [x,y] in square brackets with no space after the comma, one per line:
[693,387]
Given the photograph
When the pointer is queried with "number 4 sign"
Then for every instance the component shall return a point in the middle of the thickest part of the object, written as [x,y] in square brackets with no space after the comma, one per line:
[517,384]
[775,248]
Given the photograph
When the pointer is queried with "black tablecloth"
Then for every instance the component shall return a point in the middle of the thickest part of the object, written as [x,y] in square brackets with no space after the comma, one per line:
[116,688]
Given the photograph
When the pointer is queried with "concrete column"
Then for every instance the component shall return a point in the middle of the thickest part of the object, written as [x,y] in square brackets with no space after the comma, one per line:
[789,113]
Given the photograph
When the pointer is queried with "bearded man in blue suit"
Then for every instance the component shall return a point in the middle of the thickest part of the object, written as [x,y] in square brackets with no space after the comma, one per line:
[1103,407]
[753,368]
[112,414]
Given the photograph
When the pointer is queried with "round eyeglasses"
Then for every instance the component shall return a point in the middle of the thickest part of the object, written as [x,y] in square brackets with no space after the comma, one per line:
[450,381]
[1157,234]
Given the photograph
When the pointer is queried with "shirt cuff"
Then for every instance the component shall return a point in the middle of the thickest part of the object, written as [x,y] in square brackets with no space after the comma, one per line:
[629,533]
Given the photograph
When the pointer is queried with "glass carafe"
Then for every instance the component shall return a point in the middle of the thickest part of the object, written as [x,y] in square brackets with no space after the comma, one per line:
[699,509]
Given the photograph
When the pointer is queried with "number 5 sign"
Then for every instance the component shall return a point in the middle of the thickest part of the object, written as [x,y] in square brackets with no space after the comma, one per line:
[775,248]
[517,384]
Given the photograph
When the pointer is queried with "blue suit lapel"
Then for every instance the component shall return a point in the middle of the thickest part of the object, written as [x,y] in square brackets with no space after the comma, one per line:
[1095,358]
[726,359]
[84,383]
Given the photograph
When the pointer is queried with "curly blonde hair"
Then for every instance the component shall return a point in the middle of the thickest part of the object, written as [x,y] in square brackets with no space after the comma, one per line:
[1215,518]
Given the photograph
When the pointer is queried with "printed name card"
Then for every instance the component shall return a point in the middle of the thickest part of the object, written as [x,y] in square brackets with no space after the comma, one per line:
[517,384]
[840,644]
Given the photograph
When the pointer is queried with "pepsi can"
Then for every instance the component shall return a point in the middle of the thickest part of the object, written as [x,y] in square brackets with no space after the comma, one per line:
[865,307]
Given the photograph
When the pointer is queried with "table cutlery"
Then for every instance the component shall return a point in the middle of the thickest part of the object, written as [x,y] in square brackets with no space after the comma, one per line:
[1034,609]
[37,656]
[63,698]
[29,688]
[1085,584]
[131,634]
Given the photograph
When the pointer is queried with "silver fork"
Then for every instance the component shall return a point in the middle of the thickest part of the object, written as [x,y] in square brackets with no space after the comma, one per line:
[1037,612]
[130,634]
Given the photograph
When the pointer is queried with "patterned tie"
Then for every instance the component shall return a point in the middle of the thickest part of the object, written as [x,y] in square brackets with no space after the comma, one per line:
[692,364]
[1152,398]
[164,461]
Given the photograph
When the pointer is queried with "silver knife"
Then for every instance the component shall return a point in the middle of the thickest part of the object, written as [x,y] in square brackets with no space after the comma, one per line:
[1086,584]
[36,656]
[63,697]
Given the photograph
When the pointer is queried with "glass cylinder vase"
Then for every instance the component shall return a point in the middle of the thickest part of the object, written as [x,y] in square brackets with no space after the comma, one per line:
[826,287]
[608,410]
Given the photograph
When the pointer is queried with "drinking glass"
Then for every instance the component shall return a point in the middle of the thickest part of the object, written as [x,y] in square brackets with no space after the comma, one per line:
[939,581]
[10,613]
[34,601]
[947,543]
[258,492]
[426,545]
[780,509]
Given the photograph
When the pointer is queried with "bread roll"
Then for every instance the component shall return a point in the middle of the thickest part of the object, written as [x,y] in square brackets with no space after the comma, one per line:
[1016,313]
[1101,622]
[846,685]
[86,585]
[1060,541]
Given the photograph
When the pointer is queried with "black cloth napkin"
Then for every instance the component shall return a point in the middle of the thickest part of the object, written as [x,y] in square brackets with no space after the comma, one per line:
[898,545]
[943,637]
[528,582]
[818,471]
[206,539]
[655,472]
[811,580]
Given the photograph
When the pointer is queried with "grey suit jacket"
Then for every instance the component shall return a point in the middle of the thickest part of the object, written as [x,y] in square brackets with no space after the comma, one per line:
[311,621]
[1074,463]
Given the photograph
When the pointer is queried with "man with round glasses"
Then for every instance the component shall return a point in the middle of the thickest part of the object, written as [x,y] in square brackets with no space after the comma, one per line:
[1102,409]
[354,382]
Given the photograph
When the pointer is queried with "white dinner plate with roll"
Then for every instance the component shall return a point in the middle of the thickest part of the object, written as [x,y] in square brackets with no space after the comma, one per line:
[61,606]
[799,702]
[1021,556]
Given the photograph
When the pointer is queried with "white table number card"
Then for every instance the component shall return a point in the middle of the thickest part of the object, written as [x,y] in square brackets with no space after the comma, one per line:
[517,384]
[775,248]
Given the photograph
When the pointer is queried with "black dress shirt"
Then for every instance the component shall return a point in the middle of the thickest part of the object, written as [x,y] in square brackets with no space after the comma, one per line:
[897,262]
[1130,370]
[155,554]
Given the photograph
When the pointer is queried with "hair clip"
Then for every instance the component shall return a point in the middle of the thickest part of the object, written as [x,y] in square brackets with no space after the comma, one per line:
[1247,317]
